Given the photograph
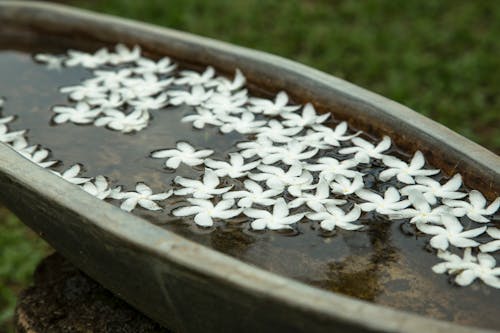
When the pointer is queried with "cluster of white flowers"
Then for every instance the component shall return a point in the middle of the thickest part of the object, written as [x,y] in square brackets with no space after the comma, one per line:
[294,165]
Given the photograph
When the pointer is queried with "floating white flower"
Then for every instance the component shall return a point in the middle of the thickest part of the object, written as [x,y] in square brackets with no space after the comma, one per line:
[260,147]
[223,85]
[267,107]
[6,136]
[51,62]
[108,103]
[148,66]
[432,189]
[318,200]
[193,78]
[313,139]
[493,245]
[223,104]
[195,97]
[185,153]
[484,270]
[342,185]
[308,117]
[202,117]
[334,136]
[278,219]
[119,121]
[293,153]
[204,189]
[422,211]
[475,209]
[144,197]
[88,90]
[451,233]
[254,195]
[150,103]
[336,217]
[81,113]
[403,171]
[389,204]
[235,168]
[71,175]
[110,79]
[330,168]
[205,211]
[276,132]
[147,85]
[123,54]
[39,157]
[364,150]
[99,188]
[244,125]
[295,178]
[87,60]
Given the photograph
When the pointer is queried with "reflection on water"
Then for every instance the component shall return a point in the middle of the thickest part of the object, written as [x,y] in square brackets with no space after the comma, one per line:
[387,264]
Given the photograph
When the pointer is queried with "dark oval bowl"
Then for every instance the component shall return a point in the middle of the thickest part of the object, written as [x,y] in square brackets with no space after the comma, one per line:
[185,286]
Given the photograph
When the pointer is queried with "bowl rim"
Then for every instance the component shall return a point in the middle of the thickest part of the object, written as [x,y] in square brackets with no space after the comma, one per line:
[168,246]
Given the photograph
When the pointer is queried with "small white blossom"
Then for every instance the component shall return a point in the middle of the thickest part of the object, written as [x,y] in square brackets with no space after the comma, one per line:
[405,172]
[432,189]
[244,125]
[123,54]
[39,157]
[342,185]
[493,245]
[223,85]
[336,217]
[185,153]
[87,60]
[144,197]
[6,136]
[330,168]
[125,123]
[334,136]
[99,188]
[254,195]
[205,211]
[295,178]
[195,97]
[236,168]
[223,104]
[293,153]
[150,103]
[71,175]
[145,86]
[202,117]
[313,139]
[204,189]
[422,211]
[193,78]
[81,113]
[50,61]
[267,107]
[278,219]
[108,103]
[389,204]
[318,200]
[110,79]
[276,132]
[260,147]
[475,209]
[308,117]
[88,90]
[148,66]
[451,233]
[364,150]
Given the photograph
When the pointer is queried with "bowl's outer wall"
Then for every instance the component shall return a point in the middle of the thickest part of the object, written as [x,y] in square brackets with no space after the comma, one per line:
[187,287]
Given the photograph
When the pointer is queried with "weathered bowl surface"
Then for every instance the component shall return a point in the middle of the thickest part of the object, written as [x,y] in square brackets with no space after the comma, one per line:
[185,286]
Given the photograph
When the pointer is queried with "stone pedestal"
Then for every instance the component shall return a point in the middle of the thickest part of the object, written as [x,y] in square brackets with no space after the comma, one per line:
[64,299]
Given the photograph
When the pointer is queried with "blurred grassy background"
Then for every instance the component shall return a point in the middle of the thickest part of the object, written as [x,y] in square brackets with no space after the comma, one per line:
[440,58]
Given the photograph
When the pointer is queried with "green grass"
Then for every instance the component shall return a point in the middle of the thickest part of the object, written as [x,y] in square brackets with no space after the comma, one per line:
[438,57]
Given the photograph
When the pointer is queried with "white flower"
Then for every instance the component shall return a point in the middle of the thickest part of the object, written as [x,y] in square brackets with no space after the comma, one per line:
[148,66]
[260,147]
[88,60]
[330,168]
[39,157]
[81,113]
[195,97]
[193,78]
[277,179]
[363,150]
[222,103]
[422,211]
[201,189]
[336,217]
[6,136]
[88,90]
[99,188]
[119,121]
[275,132]
[222,84]
[123,54]
[308,117]
[293,153]
[205,211]
[342,185]
[485,270]
[432,189]
[313,139]
[236,168]
[144,197]
[317,201]
[185,153]
[110,79]
[202,117]
[451,233]
[405,172]
[267,107]
[71,175]
[147,85]
[494,245]
[244,125]
[50,61]
[150,103]
[389,204]
[475,209]
[111,102]
[278,219]
[333,137]
[254,195]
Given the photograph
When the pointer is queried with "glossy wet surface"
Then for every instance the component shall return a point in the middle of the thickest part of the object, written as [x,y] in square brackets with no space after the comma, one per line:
[385,263]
